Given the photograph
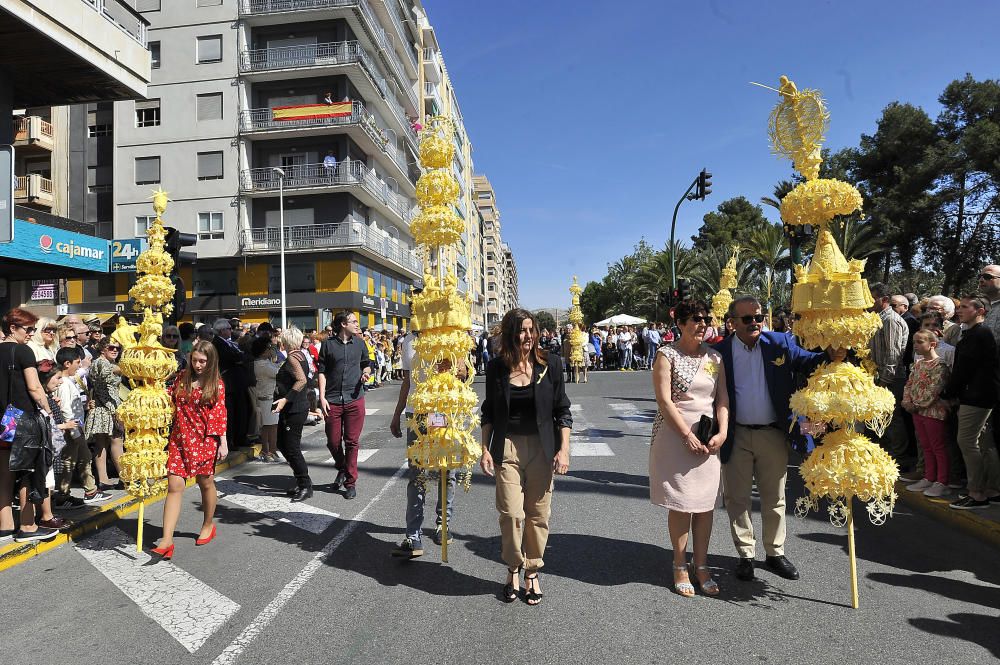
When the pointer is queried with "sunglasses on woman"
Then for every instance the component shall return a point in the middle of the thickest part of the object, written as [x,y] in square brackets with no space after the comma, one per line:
[168,336]
[51,331]
[114,348]
[73,337]
[699,319]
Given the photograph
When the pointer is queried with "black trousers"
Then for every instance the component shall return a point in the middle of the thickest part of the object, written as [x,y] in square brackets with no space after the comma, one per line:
[290,444]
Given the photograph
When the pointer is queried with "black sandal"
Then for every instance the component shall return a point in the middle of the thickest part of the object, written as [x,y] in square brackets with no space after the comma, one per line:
[510,592]
[531,596]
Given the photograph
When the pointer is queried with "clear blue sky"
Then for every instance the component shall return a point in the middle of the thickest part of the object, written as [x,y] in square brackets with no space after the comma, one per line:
[591,117]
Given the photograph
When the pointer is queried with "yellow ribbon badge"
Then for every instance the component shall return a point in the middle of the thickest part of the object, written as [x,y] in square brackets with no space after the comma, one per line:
[778,362]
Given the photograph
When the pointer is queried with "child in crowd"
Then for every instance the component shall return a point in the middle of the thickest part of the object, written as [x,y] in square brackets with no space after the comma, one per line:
[75,457]
[922,398]
[934,322]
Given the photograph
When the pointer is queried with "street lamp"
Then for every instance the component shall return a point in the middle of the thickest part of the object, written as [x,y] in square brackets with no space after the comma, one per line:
[281,241]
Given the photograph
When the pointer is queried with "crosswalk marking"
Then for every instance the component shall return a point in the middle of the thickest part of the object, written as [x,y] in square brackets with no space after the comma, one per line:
[184,606]
[371,412]
[363,455]
[636,421]
[277,507]
[581,443]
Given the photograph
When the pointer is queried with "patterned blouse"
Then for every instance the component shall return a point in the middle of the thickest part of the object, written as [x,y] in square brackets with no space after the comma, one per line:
[101,418]
[922,393]
[684,368]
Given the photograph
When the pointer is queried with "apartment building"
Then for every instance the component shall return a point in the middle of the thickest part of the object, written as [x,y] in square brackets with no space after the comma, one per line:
[295,112]
[499,270]
[95,50]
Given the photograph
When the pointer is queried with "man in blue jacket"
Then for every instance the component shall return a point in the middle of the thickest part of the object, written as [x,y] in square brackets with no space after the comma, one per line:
[760,377]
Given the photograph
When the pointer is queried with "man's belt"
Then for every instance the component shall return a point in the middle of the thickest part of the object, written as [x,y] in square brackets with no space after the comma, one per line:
[774,425]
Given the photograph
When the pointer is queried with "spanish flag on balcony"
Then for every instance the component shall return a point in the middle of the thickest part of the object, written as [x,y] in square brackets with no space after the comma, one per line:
[312,111]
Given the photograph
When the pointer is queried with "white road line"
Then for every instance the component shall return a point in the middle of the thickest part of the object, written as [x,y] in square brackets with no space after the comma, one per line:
[363,455]
[184,606]
[371,412]
[267,615]
[279,508]
[636,421]
[581,443]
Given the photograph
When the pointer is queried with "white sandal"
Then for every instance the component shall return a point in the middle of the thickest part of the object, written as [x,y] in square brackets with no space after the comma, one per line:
[685,589]
[709,588]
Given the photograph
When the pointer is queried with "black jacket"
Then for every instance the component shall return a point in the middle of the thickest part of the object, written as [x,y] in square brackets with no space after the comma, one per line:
[974,378]
[551,403]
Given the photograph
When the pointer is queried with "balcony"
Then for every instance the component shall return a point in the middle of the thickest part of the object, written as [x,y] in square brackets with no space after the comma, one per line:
[432,70]
[431,93]
[357,12]
[33,189]
[392,9]
[32,134]
[360,125]
[346,235]
[353,177]
[123,17]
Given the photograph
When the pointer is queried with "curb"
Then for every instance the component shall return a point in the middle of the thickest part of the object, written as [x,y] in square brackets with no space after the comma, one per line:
[108,513]
[972,523]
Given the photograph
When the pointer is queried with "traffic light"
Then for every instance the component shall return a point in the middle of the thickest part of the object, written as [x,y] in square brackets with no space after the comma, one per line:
[175,242]
[683,290]
[704,184]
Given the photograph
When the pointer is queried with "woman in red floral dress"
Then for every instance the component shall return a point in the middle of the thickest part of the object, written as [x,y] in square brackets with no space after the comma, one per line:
[197,442]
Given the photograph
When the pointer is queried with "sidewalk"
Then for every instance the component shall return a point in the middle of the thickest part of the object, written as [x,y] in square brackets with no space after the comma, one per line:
[93,518]
[982,524]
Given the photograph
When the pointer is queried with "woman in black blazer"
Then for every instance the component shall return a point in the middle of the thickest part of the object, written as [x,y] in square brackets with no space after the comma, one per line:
[525,410]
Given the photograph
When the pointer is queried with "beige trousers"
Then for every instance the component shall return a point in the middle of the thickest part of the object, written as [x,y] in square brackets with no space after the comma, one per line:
[524,501]
[760,454]
[975,440]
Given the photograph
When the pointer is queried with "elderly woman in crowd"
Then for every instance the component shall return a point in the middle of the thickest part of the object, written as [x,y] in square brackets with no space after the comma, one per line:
[265,369]
[526,424]
[684,466]
[44,343]
[103,429]
[945,306]
[19,389]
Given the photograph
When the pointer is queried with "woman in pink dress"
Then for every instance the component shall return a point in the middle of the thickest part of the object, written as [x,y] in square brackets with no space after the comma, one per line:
[684,472]
[197,442]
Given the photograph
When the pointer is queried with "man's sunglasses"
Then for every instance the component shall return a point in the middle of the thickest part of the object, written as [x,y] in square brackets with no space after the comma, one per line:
[988,277]
[752,318]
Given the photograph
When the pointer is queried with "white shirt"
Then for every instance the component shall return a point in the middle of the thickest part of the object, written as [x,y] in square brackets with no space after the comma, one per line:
[407,358]
[753,401]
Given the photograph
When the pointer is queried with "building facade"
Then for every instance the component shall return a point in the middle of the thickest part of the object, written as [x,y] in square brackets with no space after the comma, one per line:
[499,268]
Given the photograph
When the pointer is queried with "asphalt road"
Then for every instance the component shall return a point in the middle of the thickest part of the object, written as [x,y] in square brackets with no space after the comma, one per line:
[316,583]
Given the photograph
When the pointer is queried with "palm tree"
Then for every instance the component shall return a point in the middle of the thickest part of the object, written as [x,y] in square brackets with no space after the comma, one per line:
[768,249]
[780,192]
[857,239]
[706,276]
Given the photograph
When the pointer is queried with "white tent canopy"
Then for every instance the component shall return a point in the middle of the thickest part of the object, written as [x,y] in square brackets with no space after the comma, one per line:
[621,320]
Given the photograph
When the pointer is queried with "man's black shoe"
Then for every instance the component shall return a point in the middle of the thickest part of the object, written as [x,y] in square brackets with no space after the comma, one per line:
[744,569]
[783,567]
[302,493]
[350,493]
[340,480]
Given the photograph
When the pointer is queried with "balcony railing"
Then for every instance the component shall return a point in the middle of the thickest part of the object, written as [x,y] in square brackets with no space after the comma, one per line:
[325,236]
[32,129]
[397,22]
[262,120]
[33,188]
[305,55]
[124,17]
[379,35]
[347,174]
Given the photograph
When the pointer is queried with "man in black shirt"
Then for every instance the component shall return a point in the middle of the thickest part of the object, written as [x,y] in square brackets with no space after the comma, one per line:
[343,368]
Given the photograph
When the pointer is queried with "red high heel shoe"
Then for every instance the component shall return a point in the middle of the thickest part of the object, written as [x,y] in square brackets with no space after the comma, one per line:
[164,552]
[206,541]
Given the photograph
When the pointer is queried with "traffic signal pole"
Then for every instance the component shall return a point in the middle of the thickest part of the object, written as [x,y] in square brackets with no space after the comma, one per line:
[703,183]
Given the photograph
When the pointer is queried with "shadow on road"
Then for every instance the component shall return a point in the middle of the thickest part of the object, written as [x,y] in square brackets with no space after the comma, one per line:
[975,628]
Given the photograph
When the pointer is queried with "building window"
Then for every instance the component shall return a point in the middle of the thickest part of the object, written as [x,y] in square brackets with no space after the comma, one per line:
[362,278]
[209,106]
[209,3]
[95,131]
[484,196]
[299,278]
[209,49]
[210,226]
[214,282]
[147,170]
[147,113]
[154,55]
[210,165]
[142,224]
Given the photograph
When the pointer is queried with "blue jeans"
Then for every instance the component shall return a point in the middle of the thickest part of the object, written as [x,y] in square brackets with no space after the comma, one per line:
[415,495]
[650,355]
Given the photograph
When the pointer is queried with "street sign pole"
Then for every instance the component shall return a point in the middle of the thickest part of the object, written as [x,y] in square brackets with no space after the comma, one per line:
[6,193]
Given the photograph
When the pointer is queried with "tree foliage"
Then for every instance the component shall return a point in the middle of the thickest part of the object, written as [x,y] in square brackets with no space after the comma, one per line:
[730,221]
